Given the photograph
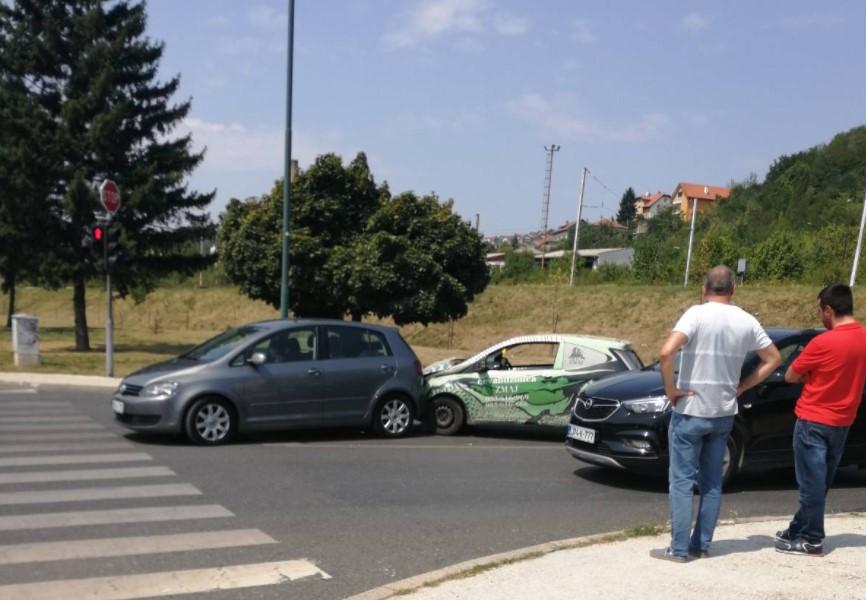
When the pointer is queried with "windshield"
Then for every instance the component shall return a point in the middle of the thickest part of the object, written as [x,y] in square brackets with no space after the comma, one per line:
[222,344]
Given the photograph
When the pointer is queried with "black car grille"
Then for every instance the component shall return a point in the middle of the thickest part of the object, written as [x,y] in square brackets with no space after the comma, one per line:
[595,409]
[127,389]
[138,419]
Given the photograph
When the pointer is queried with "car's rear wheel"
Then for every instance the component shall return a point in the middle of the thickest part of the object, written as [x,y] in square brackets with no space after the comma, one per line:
[732,459]
[210,421]
[447,414]
[393,417]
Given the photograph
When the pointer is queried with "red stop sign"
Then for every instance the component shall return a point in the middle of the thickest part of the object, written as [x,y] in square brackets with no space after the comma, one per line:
[109,195]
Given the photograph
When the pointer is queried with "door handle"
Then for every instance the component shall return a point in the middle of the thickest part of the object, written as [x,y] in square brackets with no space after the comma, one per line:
[313,372]
[386,368]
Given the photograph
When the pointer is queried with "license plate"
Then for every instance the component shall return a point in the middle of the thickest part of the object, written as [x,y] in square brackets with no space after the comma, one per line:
[581,434]
[117,406]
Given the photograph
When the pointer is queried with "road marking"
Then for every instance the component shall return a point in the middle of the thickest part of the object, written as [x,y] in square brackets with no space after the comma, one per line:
[131,546]
[35,412]
[165,583]
[115,516]
[106,445]
[34,403]
[44,419]
[85,475]
[103,493]
[51,427]
[73,459]
[21,391]
[314,446]
[56,437]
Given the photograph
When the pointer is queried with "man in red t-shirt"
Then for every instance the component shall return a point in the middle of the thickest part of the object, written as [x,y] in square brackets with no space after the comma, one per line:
[833,369]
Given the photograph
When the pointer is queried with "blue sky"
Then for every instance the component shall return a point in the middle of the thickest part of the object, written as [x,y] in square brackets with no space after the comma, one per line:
[461,96]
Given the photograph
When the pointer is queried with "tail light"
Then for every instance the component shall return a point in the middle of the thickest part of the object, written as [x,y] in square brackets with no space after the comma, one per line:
[418,368]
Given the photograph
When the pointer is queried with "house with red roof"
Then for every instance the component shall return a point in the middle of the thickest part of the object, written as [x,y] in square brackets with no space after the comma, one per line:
[687,196]
[649,205]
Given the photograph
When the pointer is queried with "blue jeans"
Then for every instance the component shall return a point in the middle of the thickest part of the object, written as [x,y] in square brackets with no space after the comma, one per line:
[697,451]
[818,449]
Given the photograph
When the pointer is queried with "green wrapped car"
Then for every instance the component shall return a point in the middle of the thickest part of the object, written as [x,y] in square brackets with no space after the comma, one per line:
[528,379]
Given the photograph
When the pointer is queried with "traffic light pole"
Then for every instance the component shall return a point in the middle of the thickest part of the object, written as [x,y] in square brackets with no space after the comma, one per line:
[109,323]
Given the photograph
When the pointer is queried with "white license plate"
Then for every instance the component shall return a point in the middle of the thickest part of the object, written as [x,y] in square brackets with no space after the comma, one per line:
[117,406]
[581,434]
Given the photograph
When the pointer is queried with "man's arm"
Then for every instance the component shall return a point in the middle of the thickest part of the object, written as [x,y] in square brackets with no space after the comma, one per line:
[791,376]
[770,361]
[667,355]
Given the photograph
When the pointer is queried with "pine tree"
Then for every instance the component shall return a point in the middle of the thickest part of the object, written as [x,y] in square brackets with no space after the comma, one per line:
[89,68]
[627,208]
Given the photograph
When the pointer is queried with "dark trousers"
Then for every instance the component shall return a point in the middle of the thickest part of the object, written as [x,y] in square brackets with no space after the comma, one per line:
[818,449]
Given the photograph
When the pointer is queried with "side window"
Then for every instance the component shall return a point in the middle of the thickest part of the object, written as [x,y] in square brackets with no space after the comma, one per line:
[577,357]
[524,356]
[356,342]
[790,353]
[292,345]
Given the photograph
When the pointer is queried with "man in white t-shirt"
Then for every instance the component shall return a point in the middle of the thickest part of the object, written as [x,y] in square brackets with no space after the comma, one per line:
[715,338]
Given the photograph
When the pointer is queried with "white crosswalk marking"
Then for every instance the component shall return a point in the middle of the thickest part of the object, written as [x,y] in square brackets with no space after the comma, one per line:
[108,493]
[85,474]
[29,403]
[46,419]
[16,392]
[24,412]
[106,445]
[51,427]
[104,517]
[167,583]
[59,436]
[73,459]
[131,546]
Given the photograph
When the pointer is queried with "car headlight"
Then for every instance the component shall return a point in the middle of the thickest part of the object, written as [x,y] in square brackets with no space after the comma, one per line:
[159,391]
[643,406]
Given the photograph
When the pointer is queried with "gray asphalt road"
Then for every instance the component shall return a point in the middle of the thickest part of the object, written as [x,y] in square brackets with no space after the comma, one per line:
[362,510]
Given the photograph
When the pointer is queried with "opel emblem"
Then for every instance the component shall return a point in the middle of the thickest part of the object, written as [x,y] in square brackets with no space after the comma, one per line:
[585,402]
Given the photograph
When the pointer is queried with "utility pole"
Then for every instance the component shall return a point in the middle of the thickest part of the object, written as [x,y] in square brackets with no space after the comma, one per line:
[477,221]
[577,224]
[287,181]
[545,203]
[691,239]
[859,247]
[201,253]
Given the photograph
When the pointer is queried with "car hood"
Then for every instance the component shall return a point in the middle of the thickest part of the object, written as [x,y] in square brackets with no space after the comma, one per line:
[626,386]
[443,367]
[163,370]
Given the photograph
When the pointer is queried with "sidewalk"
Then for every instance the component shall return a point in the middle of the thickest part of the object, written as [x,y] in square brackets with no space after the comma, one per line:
[742,564]
[24,378]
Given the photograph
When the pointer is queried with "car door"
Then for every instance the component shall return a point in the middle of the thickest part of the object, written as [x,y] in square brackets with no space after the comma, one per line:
[768,409]
[356,364]
[287,387]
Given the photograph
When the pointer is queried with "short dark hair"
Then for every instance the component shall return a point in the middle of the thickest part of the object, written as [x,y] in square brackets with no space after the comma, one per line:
[720,280]
[837,296]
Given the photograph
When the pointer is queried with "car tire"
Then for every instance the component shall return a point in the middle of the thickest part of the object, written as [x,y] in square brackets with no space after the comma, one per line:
[210,421]
[393,417]
[447,416]
[733,459]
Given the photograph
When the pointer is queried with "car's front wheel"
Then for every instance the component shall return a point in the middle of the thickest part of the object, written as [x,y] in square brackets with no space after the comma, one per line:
[393,417]
[732,459]
[447,414]
[210,421]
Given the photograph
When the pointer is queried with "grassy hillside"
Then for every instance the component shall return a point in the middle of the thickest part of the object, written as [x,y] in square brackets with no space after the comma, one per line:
[172,319]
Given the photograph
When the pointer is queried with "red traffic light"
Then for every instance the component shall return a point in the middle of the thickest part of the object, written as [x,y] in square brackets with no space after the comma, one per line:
[98,233]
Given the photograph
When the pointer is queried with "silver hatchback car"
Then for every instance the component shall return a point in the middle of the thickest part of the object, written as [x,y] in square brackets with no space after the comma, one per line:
[279,375]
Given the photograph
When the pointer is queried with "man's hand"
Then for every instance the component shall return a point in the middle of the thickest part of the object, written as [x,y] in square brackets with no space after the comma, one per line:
[667,354]
[770,361]
[791,376]
[676,393]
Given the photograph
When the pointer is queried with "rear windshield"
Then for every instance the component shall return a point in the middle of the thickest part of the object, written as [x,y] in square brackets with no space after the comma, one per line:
[224,343]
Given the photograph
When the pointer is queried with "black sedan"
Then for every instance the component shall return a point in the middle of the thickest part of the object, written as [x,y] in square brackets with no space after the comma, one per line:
[621,422]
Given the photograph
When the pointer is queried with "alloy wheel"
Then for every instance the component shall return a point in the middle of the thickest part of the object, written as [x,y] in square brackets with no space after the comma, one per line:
[213,422]
[395,417]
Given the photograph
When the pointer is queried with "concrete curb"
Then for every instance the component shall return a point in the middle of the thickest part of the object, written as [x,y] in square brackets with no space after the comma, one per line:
[471,567]
[60,379]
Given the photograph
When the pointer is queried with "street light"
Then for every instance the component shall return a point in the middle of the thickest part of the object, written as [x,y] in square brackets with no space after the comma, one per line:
[287,180]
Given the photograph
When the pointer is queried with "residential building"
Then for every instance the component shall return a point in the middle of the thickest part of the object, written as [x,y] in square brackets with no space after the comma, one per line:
[610,223]
[649,205]
[593,258]
[687,195]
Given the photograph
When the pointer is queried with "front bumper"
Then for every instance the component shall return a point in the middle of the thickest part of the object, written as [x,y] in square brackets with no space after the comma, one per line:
[141,414]
[635,443]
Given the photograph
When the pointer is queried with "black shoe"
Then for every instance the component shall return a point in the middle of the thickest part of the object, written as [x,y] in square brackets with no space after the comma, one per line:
[696,553]
[666,554]
[785,536]
[801,547]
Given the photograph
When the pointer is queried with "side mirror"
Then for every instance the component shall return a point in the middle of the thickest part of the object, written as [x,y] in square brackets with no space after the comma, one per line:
[257,359]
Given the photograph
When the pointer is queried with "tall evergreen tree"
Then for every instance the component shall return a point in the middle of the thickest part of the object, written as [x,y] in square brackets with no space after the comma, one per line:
[627,208]
[90,71]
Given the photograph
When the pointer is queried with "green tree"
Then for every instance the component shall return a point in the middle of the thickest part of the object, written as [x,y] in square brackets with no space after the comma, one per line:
[778,258]
[354,249]
[89,69]
[627,208]
[520,267]
[714,248]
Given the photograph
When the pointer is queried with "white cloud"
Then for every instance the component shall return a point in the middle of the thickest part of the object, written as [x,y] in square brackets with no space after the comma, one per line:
[508,24]
[554,119]
[694,22]
[265,17]
[432,19]
[581,32]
